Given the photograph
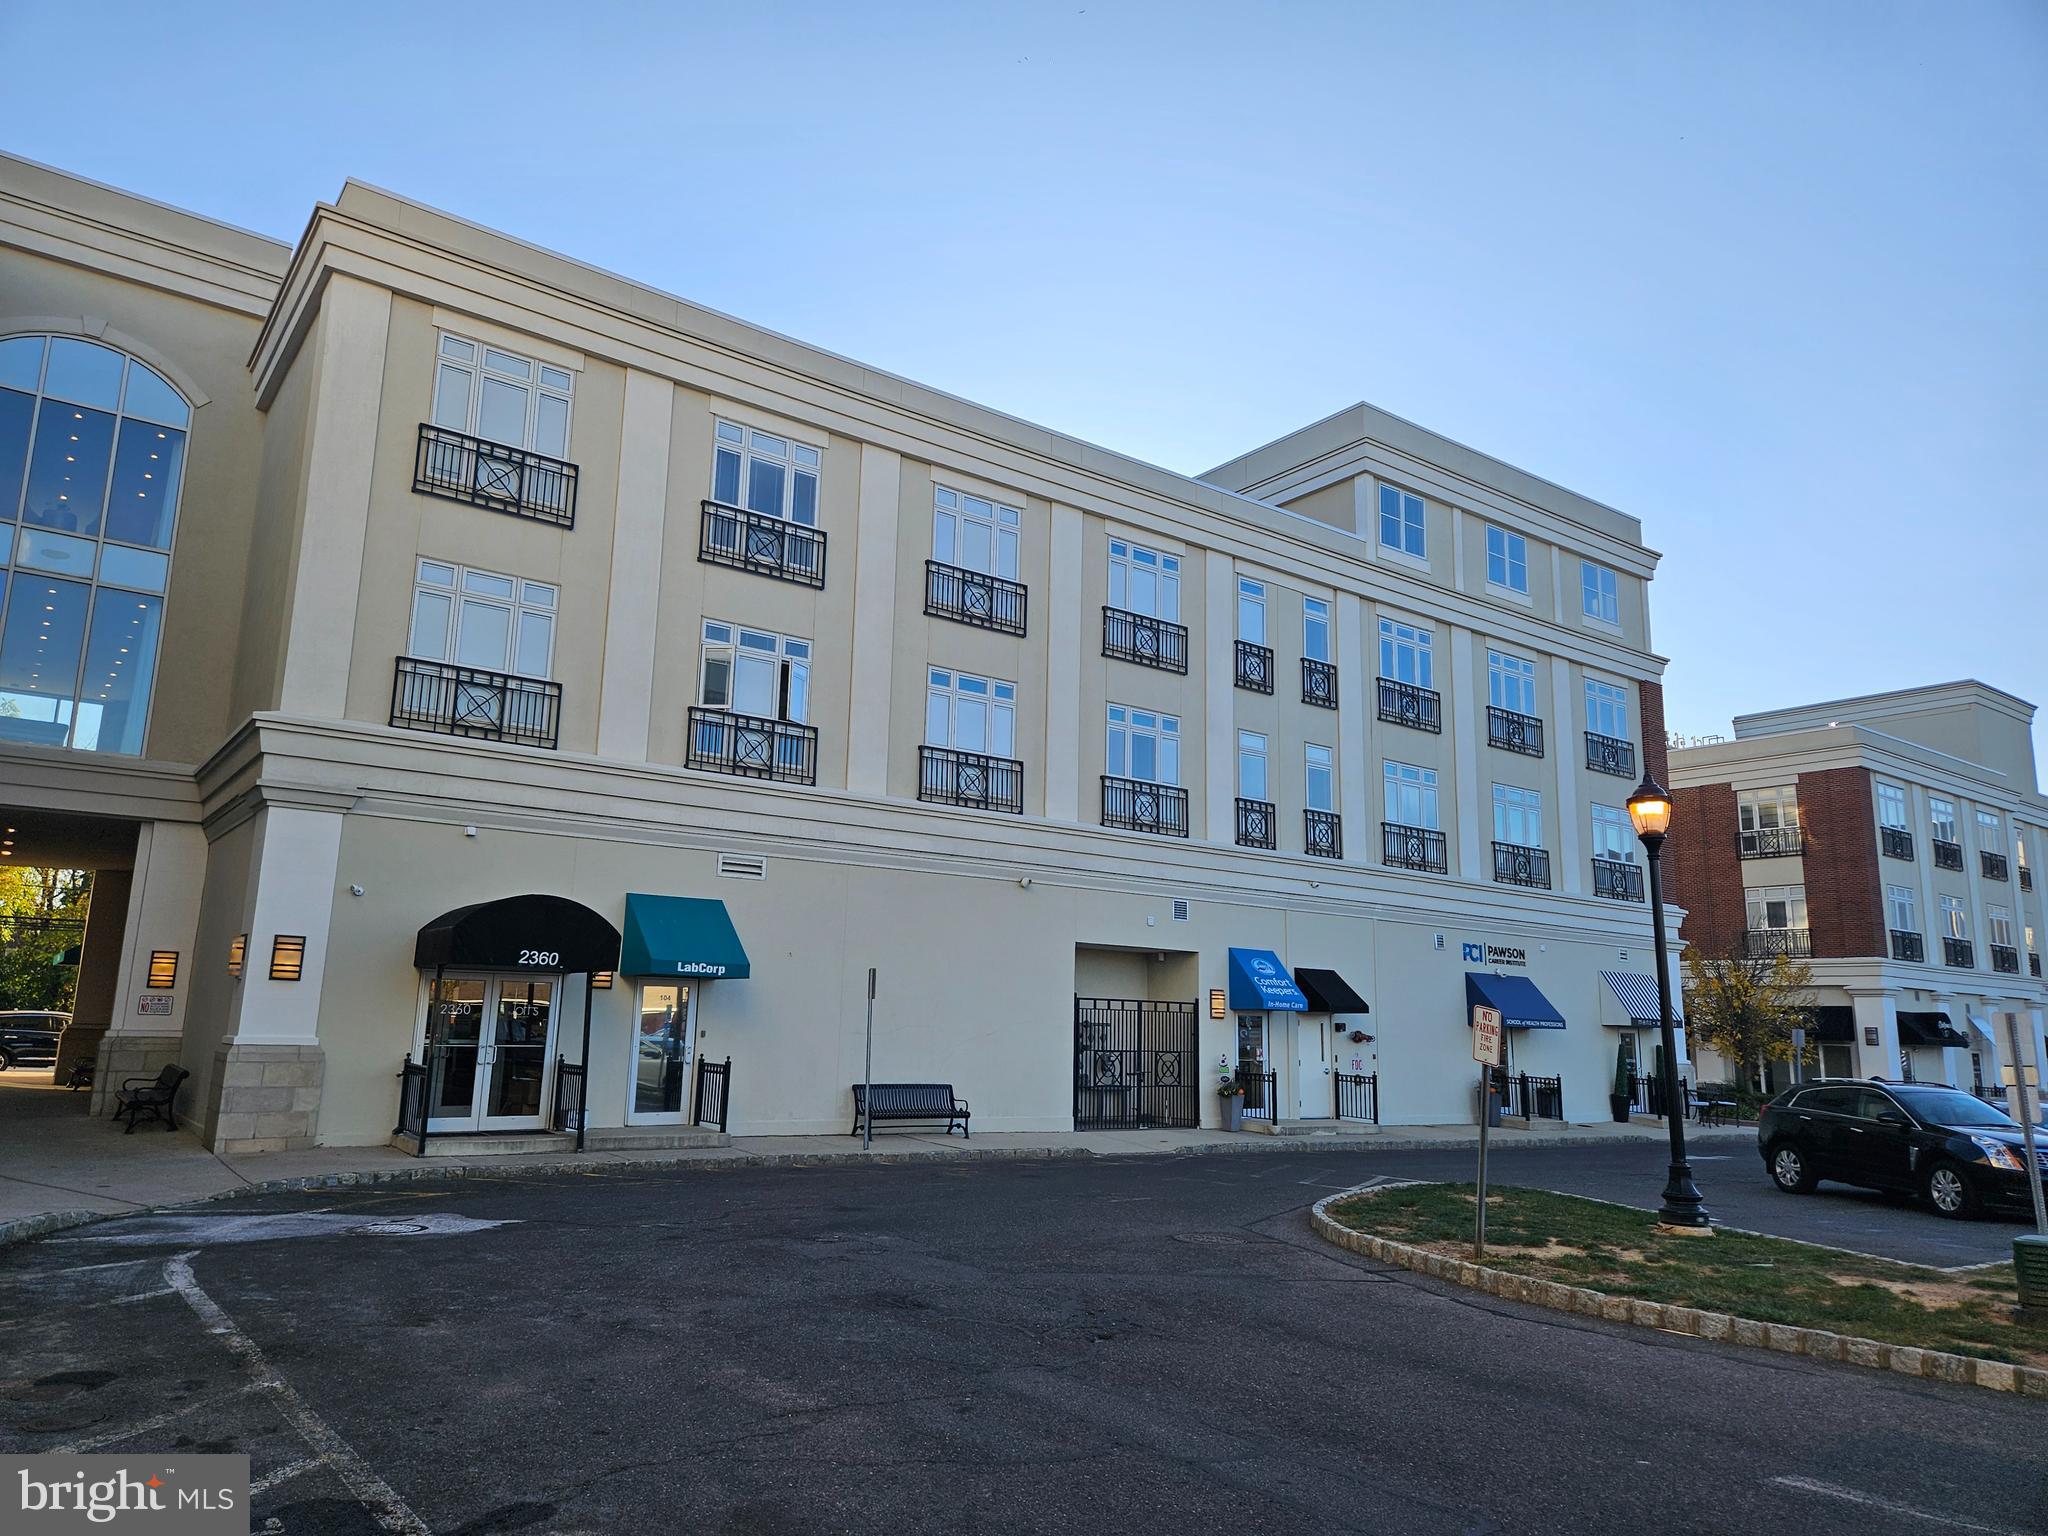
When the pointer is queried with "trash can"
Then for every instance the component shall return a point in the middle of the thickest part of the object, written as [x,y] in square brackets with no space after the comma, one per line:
[2030,1264]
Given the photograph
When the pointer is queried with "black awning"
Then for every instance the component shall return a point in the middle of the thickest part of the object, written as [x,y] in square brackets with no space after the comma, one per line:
[1931,1029]
[1831,1026]
[1327,992]
[520,933]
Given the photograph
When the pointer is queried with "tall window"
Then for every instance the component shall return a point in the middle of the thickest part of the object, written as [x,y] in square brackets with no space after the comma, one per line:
[1411,794]
[502,397]
[1401,522]
[970,714]
[1517,815]
[1599,593]
[1606,709]
[92,455]
[1902,908]
[1322,778]
[1891,805]
[1614,836]
[1998,924]
[1776,906]
[1143,745]
[973,534]
[1251,610]
[1251,766]
[1767,810]
[1510,683]
[1405,653]
[1315,629]
[1955,917]
[482,619]
[1941,815]
[755,672]
[1507,560]
[765,473]
[1144,581]
[1990,836]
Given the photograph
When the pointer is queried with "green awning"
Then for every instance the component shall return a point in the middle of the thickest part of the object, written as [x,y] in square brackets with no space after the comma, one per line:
[681,936]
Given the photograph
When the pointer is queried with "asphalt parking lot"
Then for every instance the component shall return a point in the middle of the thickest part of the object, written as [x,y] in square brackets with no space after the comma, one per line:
[1064,1345]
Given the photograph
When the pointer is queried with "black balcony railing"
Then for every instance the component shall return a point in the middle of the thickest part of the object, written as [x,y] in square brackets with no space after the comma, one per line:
[1769,842]
[767,546]
[1512,731]
[1896,841]
[1958,952]
[980,783]
[1132,805]
[1994,865]
[1617,881]
[2026,878]
[1413,848]
[2004,957]
[752,747]
[1420,709]
[973,597]
[1908,946]
[458,467]
[1318,683]
[1254,667]
[468,701]
[1357,1095]
[1323,834]
[2034,966]
[1255,824]
[1148,641]
[1608,754]
[1514,864]
[1762,943]
[1947,855]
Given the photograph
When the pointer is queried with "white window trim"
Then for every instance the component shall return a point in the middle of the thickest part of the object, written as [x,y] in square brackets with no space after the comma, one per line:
[1421,639]
[1759,897]
[1394,782]
[1598,688]
[1505,666]
[1955,918]
[520,604]
[793,656]
[1165,567]
[1002,518]
[1599,620]
[1309,607]
[1309,766]
[535,385]
[1508,590]
[1251,594]
[1123,717]
[997,695]
[1400,551]
[1251,745]
[1909,908]
[1601,816]
[1512,802]
[789,461]
[1904,804]
[1935,820]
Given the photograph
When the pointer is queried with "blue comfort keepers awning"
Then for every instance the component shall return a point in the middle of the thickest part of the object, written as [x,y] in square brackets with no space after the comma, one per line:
[681,936]
[1637,994]
[1521,1005]
[1259,983]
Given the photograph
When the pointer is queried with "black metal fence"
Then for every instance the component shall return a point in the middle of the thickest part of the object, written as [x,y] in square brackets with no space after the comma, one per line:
[1514,864]
[767,546]
[458,467]
[1897,841]
[1532,1098]
[1947,855]
[567,1109]
[1261,1093]
[1608,754]
[1134,1064]
[412,1102]
[1412,847]
[1646,1095]
[1420,709]
[1136,806]
[714,1092]
[472,702]
[752,747]
[949,777]
[1617,881]
[1255,824]
[1994,865]
[1769,842]
[1254,667]
[1322,834]
[1513,731]
[1762,943]
[1141,638]
[1358,1096]
[972,597]
[1318,683]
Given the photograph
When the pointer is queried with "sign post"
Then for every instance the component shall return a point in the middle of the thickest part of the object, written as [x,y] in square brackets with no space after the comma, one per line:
[2019,1077]
[867,1091]
[1486,1050]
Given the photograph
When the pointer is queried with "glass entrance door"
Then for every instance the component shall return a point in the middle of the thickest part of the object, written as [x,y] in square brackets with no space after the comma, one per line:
[524,1027]
[487,1045]
[663,1046]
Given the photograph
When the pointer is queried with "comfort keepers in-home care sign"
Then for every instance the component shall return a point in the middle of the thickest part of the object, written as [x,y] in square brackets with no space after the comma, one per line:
[143,1495]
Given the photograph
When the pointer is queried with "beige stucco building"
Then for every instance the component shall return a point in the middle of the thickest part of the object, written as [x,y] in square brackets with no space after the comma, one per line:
[485,574]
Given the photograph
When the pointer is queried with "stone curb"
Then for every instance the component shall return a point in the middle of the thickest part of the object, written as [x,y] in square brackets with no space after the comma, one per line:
[1716,1327]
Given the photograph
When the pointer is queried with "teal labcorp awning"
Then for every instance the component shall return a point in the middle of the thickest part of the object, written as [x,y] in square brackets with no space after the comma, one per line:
[1521,1003]
[681,936]
[1259,983]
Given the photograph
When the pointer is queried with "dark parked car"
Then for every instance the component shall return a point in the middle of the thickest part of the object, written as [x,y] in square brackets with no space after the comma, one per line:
[28,1038]
[1951,1147]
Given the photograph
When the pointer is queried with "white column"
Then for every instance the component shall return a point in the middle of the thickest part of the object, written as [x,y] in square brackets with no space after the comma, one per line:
[1064,623]
[1458,549]
[626,694]
[874,619]
[1876,1010]
[1475,814]
[1955,1059]
[163,913]
[291,891]
[341,453]
[1923,863]
[1219,709]
[1573,869]
[1355,778]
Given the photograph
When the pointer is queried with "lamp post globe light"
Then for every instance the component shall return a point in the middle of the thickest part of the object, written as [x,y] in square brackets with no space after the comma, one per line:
[1649,808]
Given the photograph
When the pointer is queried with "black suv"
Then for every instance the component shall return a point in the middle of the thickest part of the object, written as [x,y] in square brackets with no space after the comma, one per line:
[1960,1152]
[28,1038]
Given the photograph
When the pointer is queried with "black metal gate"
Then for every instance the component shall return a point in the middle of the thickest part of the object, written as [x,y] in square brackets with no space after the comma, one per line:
[1134,1064]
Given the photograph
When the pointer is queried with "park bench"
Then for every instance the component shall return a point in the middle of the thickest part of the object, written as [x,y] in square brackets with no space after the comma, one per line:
[908,1101]
[151,1098]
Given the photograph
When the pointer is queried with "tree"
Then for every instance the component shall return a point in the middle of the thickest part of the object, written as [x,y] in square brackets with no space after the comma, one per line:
[1744,1009]
[42,914]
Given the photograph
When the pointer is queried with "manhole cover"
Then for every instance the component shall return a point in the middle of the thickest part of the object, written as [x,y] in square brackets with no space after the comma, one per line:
[390,1229]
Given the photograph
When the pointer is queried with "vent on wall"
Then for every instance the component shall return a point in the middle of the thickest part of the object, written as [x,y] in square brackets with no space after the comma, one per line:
[743,866]
[1180,910]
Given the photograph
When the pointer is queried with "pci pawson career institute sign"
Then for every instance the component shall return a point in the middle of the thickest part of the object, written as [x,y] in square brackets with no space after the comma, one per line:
[154,1495]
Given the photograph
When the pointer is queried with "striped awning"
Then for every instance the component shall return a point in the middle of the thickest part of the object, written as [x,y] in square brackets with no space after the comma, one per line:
[1638,996]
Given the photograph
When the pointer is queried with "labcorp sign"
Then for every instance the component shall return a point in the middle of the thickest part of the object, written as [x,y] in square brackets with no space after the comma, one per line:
[59,1495]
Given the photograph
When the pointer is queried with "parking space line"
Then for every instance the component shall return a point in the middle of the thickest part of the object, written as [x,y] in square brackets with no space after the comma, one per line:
[270,1480]
[1889,1506]
[144,1426]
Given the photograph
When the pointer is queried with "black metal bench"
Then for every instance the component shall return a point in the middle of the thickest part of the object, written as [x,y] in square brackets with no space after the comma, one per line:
[909,1101]
[149,1098]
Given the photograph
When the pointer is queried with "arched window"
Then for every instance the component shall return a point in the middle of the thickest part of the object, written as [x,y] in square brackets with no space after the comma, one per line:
[92,453]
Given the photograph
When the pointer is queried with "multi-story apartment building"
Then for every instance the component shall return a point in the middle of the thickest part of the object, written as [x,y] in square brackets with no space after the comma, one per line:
[449,654]
[1891,843]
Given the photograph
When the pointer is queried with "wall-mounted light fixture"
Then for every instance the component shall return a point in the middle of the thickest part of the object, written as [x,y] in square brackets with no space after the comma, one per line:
[236,950]
[163,969]
[602,980]
[288,957]
[1215,1002]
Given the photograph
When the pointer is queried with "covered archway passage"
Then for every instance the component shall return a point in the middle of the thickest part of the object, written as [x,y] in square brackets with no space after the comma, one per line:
[488,1059]
[674,946]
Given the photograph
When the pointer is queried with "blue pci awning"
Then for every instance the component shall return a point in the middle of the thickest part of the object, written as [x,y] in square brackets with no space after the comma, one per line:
[1522,1005]
[681,936]
[1637,994]
[1259,983]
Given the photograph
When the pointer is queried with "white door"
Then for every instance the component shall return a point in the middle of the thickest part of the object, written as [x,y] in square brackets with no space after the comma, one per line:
[664,1049]
[1312,1085]
[487,1048]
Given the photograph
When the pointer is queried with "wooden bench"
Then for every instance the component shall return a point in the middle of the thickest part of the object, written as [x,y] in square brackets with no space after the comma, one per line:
[909,1101]
[151,1098]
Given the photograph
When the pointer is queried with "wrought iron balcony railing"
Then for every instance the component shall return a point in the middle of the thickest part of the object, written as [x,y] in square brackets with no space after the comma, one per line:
[472,702]
[1420,709]
[1958,952]
[1512,731]
[1514,864]
[1896,841]
[1770,842]
[1141,638]
[1994,865]
[980,783]
[1323,834]
[1762,943]
[2026,878]
[1318,683]
[458,467]
[1617,881]
[1908,946]
[1608,754]
[1255,824]
[2006,958]
[752,747]
[973,597]
[1254,667]
[1420,848]
[2034,966]
[1947,855]
[767,546]
[1132,805]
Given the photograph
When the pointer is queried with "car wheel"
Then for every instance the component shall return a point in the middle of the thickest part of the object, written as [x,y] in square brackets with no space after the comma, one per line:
[1790,1170]
[1950,1191]
[6,1060]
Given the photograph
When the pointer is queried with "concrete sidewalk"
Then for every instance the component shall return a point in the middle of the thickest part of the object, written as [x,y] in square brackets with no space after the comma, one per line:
[59,1165]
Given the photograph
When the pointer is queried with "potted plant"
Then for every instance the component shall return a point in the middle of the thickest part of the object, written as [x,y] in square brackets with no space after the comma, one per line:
[1231,1092]
[1617,1101]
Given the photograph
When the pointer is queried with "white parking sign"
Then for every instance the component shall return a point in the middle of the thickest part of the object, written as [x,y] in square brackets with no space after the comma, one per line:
[1486,1036]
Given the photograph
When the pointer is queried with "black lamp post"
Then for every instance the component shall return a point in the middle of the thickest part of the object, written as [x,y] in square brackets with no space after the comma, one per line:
[1650,809]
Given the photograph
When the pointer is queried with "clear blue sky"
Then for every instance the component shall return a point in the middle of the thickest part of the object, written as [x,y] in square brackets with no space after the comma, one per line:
[1770,277]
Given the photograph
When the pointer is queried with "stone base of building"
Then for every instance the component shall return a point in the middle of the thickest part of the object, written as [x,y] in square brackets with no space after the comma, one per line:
[119,1057]
[266,1098]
